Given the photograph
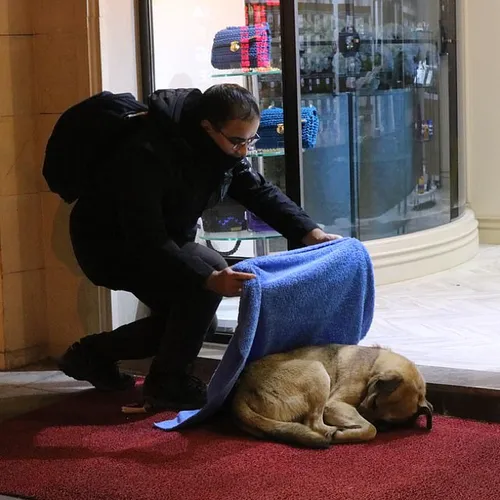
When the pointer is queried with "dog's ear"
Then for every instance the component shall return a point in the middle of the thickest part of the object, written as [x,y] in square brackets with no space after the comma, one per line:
[384,383]
[387,382]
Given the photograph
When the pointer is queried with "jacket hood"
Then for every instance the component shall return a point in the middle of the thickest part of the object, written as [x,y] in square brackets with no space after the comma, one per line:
[171,108]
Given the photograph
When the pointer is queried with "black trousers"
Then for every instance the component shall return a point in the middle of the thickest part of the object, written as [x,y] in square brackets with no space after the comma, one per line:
[180,317]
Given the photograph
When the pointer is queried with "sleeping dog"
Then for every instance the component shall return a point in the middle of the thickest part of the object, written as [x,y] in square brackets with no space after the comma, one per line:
[317,396]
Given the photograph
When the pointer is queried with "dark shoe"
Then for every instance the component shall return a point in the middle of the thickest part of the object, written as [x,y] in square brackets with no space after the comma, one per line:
[174,392]
[81,364]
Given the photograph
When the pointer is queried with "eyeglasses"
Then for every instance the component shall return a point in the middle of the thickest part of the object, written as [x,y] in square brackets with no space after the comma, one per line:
[239,142]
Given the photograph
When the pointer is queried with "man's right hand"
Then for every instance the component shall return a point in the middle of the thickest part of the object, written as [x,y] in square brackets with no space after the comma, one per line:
[227,282]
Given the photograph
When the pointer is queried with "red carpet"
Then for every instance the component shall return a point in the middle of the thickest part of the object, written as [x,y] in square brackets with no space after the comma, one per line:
[83,448]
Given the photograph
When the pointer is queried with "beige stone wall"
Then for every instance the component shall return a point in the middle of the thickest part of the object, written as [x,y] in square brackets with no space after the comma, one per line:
[480,107]
[44,300]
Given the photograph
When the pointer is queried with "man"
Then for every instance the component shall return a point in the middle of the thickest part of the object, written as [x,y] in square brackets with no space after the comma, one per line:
[135,229]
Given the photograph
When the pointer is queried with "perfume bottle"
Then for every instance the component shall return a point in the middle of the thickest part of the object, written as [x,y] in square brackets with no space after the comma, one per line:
[421,185]
[420,76]
[425,131]
[430,125]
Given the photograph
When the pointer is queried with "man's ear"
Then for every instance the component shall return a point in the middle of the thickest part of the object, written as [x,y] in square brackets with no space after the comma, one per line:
[206,125]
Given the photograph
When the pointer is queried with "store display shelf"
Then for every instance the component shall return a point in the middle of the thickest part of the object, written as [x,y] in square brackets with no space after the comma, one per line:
[266,153]
[238,235]
[250,72]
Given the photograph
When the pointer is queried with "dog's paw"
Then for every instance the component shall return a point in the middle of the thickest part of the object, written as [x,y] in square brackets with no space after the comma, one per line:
[330,433]
[359,435]
[354,426]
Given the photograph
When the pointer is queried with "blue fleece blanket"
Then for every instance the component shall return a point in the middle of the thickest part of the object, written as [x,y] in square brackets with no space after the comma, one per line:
[311,296]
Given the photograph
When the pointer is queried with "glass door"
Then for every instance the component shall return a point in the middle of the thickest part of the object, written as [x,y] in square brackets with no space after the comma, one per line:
[376,73]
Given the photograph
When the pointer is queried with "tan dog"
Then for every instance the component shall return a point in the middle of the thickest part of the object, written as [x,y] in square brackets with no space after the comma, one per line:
[316,396]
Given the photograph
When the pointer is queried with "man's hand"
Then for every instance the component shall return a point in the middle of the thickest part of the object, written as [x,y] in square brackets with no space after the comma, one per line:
[317,236]
[227,282]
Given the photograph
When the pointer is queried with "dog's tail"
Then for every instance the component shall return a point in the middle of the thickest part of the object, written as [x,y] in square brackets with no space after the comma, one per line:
[288,432]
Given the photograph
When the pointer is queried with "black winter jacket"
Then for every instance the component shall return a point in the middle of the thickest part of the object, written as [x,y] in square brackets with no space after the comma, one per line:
[147,202]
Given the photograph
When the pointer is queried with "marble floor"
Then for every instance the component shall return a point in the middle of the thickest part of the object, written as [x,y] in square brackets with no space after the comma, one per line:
[23,391]
[450,319]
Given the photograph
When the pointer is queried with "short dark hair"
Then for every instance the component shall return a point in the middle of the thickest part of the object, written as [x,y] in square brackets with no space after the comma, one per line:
[228,101]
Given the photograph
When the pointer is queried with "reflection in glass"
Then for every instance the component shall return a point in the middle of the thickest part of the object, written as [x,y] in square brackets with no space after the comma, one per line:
[374,94]
[373,71]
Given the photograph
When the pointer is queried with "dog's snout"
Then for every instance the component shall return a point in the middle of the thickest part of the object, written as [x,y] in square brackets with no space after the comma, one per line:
[366,412]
